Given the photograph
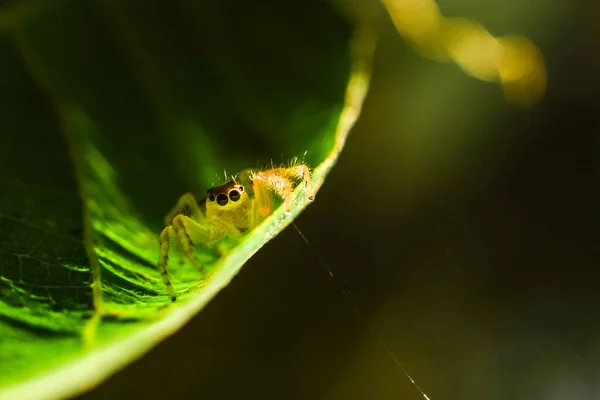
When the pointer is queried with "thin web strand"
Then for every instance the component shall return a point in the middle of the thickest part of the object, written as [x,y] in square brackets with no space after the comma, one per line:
[371,330]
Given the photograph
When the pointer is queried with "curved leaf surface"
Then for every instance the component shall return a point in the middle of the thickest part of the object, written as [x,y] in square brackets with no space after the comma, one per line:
[109,112]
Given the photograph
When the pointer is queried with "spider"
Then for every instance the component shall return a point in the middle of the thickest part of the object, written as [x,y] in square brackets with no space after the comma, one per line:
[230,209]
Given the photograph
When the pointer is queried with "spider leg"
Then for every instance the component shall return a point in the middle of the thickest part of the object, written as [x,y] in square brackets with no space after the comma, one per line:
[190,232]
[186,205]
[163,259]
[301,171]
[265,181]
[186,232]
[280,180]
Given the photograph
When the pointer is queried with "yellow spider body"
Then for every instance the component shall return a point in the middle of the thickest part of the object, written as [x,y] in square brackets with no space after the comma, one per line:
[230,209]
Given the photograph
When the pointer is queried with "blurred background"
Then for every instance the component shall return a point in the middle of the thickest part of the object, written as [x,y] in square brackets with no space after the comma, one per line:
[464,228]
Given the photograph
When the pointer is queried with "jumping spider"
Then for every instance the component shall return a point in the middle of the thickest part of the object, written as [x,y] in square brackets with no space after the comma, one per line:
[230,209]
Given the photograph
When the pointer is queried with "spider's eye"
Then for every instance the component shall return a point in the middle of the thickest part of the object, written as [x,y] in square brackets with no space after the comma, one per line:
[241,188]
[234,195]
[222,199]
[211,198]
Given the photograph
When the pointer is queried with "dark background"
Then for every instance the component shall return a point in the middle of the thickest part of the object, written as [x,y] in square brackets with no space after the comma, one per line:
[465,230]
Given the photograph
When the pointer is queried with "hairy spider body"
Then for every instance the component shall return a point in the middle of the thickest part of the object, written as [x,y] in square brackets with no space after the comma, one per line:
[230,209]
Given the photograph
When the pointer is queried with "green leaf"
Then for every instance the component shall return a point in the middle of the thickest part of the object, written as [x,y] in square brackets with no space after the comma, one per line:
[111,110]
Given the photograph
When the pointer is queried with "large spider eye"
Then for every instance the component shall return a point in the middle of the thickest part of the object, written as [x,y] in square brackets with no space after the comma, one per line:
[222,199]
[211,198]
[234,195]
[241,188]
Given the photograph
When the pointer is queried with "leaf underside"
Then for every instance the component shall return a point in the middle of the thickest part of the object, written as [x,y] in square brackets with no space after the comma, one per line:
[110,111]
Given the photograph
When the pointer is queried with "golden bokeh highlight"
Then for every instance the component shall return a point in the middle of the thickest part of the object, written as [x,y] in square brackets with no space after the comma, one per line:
[513,61]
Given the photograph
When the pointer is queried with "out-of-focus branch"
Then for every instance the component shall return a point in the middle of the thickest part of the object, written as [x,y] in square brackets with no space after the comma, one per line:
[513,61]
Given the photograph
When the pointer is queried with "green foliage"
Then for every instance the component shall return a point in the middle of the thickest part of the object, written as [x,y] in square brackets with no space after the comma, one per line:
[109,111]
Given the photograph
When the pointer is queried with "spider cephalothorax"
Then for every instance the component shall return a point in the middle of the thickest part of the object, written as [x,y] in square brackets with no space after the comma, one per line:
[230,203]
